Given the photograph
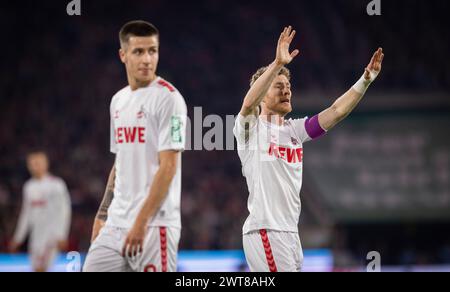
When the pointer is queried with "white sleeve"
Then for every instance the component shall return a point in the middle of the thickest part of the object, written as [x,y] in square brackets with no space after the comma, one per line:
[113,145]
[64,212]
[172,118]
[24,219]
[244,128]
[300,129]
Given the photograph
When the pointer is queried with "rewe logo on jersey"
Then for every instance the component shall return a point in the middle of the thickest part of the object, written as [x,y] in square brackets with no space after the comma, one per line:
[287,154]
[38,203]
[129,135]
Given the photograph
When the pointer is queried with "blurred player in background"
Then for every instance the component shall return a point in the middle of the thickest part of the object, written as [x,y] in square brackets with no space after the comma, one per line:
[271,152]
[138,225]
[45,214]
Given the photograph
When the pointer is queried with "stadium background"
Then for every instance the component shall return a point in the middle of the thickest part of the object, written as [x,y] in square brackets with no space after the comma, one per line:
[379,181]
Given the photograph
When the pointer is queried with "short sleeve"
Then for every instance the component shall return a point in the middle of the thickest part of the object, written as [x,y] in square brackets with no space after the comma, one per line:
[244,128]
[172,123]
[308,129]
[300,129]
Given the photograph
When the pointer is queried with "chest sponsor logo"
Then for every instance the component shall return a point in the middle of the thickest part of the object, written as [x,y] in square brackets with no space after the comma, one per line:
[38,203]
[130,135]
[286,154]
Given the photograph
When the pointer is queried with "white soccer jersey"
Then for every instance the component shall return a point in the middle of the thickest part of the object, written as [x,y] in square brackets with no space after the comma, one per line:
[46,213]
[272,162]
[145,122]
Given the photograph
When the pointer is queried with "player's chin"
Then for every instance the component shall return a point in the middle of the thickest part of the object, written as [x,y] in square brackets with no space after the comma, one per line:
[285,108]
[145,76]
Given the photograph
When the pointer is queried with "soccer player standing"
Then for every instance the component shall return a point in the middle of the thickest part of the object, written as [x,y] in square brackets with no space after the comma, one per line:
[45,214]
[271,152]
[138,224]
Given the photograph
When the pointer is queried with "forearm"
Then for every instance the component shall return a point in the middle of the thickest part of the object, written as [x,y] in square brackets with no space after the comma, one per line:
[259,89]
[21,229]
[347,102]
[157,195]
[102,213]
[66,215]
[344,105]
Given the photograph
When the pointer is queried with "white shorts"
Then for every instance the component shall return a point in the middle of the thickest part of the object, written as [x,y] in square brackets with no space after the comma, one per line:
[273,251]
[159,252]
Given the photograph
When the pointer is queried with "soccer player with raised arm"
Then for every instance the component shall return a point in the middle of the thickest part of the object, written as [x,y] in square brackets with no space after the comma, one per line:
[138,224]
[45,215]
[271,152]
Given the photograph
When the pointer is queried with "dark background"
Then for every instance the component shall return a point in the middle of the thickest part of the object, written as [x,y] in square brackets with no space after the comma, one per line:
[58,74]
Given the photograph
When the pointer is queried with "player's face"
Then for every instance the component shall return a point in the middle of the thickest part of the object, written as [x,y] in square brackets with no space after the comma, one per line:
[141,57]
[278,99]
[37,164]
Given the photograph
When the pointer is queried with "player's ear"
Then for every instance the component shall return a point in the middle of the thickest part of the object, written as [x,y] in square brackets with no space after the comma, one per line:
[122,55]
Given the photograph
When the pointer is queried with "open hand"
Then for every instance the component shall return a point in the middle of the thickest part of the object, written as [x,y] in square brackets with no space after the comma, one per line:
[374,67]
[283,56]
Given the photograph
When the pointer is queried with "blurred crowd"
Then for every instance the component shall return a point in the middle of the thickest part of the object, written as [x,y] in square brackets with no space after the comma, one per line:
[59,74]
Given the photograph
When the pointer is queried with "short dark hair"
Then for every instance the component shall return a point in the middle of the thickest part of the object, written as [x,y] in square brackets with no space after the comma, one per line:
[37,151]
[284,71]
[137,28]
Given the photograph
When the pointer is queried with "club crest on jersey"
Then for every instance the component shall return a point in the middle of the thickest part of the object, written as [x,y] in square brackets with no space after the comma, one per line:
[116,115]
[142,114]
[294,141]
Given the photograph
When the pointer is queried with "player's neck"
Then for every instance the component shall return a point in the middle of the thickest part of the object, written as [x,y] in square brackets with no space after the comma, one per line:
[136,84]
[40,176]
[272,118]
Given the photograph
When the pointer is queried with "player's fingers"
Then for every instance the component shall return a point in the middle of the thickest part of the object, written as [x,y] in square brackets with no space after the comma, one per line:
[292,35]
[377,56]
[372,61]
[131,249]
[280,40]
[124,249]
[295,53]
[140,248]
[380,52]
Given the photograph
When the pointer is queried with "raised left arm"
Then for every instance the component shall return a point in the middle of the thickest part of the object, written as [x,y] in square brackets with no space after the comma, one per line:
[345,104]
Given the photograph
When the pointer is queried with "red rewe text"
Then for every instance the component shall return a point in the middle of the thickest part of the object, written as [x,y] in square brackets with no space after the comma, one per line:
[287,154]
[128,135]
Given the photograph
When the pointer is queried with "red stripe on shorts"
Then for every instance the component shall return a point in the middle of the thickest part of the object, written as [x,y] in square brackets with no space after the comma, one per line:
[163,238]
[268,251]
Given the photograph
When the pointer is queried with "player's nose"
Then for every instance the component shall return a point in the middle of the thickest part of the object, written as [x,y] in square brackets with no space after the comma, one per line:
[146,58]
